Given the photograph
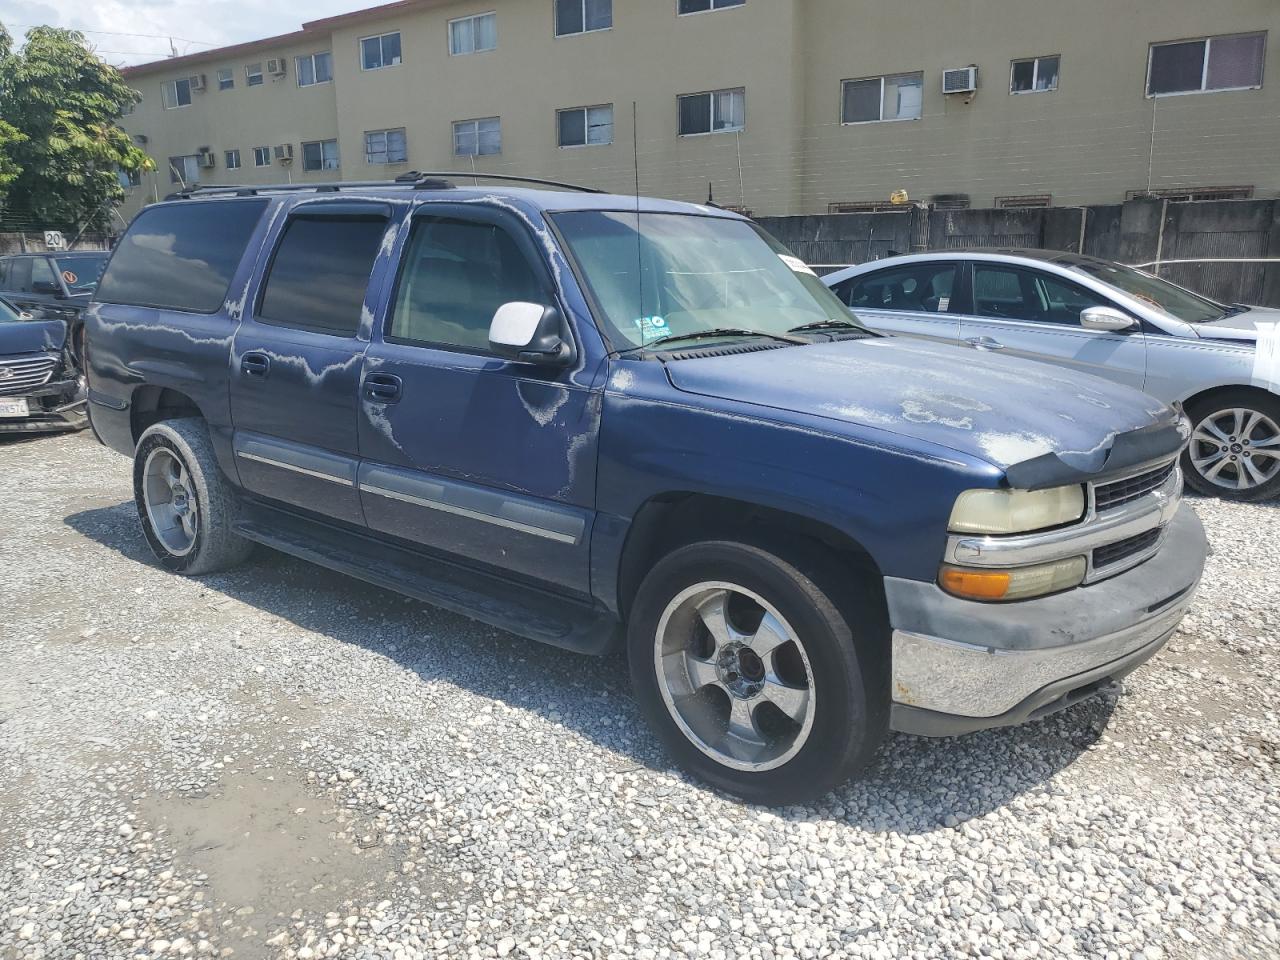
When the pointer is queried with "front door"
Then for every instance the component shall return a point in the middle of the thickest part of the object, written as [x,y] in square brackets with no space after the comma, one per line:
[295,364]
[488,461]
[34,287]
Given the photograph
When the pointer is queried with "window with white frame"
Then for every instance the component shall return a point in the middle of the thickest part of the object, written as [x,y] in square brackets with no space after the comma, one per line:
[583,16]
[262,156]
[585,126]
[719,111]
[385,146]
[232,158]
[184,170]
[176,93]
[320,155]
[1206,64]
[898,96]
[477,138]
[226,78]
[314,68]
[129,178]
[253,74]
[702,6]
[1034,75]
[380,51]
[473,34]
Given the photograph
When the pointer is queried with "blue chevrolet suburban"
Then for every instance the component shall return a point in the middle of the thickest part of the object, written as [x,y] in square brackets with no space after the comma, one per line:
[591,419]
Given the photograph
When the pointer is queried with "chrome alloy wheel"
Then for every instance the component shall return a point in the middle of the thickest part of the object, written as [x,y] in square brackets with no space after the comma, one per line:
[734,676]
[170,501]
[1236,448]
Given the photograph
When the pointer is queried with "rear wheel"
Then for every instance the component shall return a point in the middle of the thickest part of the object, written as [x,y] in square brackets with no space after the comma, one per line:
[1234,451]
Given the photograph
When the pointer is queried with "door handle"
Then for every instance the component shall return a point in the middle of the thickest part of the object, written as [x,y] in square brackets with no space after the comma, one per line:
[382,387]
[255,364]
[985,343]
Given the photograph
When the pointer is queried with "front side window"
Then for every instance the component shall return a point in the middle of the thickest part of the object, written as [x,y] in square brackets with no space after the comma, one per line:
[457,273]
[181,256]
[660,274]
[1010,293]
[314,68]
[1204,65]
[184,170]
[232,158]
[702,6]
[320,155]
[1037,75]
[80,274]
[873,99]
[176,93]
[253,74]
[918,288]
[381,51]
[720,111]
[477,138]
[385,146]
[583,16]
[226,79]
[473,34]
[585,126]
[319,273]
[262,156]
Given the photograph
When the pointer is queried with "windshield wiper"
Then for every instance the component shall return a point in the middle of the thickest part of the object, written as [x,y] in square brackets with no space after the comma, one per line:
[825,325]
[716,332]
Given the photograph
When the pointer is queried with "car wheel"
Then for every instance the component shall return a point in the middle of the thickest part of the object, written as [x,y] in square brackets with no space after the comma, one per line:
[186,505]
[752,675]
[1234,451]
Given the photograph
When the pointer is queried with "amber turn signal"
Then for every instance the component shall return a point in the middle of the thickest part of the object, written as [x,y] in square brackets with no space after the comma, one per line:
[1014,583]
[976,584]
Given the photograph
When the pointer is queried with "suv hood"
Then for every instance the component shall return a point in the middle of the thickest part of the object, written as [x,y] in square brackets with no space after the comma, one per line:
[1240,326]
[32,336]
[1003,410]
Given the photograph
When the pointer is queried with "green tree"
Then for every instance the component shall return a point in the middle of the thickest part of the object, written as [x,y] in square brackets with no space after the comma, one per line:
[60,146]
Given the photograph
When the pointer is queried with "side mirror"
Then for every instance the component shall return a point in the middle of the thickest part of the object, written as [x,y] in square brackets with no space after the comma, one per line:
[46,286]
[1106,319]
[528,333]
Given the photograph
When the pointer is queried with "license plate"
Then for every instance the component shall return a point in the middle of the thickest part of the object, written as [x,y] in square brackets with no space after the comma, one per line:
[14,408]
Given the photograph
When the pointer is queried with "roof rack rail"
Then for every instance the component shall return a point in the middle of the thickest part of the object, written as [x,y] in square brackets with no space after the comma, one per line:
[413,180]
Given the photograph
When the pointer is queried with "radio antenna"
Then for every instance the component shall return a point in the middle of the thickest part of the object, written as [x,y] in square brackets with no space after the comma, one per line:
[635,159]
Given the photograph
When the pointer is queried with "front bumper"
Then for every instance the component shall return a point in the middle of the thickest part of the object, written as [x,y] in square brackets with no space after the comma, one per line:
[960,666]
[59,405]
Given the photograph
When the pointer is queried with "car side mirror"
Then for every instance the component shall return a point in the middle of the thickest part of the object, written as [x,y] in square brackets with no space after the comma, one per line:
[1106,319]
[46,286]
[528,333]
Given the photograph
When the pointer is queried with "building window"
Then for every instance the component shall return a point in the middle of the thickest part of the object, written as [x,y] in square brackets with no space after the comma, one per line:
[314,68]
[226,79]
[874,99]
[1037,75]
[320,155]
[379,52]
[583,16]
[585,126]
[702,6]
[1181,194]
[262,156]
[176,93]
[477,138]
[720,111]
[385,146]
[1211,63]
[232,158]
[129,178]
[253,74]
[184,170]
[869,206]
[1032,202]
[473,34]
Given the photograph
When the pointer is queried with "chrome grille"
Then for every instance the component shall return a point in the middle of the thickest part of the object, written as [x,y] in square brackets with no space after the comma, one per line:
[1108,496]
[1124,549]
[18,375]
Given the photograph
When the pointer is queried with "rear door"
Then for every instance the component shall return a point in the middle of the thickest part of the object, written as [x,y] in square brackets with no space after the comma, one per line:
[1023,312]
[917,299]
[295,362]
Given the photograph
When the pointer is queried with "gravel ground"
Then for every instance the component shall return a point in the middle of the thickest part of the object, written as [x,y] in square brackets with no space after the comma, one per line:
[281,762]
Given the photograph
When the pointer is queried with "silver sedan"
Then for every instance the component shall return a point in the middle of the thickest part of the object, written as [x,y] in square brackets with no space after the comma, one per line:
[1221,362]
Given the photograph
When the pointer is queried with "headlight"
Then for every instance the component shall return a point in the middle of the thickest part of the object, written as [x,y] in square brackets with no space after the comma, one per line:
[1015,583]
[1016,511]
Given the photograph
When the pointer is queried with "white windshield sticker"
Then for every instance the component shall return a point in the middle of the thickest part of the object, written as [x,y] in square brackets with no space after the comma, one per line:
[796,264]
[943,304]
[1266,359]
[652,328]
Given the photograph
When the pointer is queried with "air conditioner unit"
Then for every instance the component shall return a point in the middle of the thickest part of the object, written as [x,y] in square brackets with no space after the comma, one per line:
[284,153]
[205,159]
[960,80]
[197,81]
[275,67]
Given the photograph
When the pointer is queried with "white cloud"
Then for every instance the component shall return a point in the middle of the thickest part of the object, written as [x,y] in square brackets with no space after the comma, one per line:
[195,25]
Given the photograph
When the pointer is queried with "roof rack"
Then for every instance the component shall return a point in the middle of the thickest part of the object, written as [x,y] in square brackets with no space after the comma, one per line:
[413,180]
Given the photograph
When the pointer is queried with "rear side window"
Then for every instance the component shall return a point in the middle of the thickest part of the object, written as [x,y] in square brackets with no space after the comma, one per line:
[926,288]
[319,274]
[181,256]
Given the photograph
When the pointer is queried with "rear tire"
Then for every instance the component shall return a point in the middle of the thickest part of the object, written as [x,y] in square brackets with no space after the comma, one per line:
[1234,451]
[186,505]
[753,676]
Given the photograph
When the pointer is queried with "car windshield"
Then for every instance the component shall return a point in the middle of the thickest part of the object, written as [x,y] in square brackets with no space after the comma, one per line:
[81,274]
[656,276]
[1175,301]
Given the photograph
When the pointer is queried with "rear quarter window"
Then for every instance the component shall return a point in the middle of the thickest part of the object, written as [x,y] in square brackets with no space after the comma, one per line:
[181,256]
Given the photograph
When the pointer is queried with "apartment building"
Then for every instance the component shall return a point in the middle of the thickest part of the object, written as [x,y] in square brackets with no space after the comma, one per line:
[772,106]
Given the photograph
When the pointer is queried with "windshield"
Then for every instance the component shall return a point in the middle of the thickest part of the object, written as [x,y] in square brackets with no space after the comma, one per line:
[700,274]
[81,274]
[1176,302]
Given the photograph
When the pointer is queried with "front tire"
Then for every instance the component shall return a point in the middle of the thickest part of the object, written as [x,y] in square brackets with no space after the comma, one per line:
[753,676]
[1234,451]
[185,504]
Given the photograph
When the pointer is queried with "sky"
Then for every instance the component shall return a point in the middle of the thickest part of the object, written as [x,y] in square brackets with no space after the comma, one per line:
[194,24]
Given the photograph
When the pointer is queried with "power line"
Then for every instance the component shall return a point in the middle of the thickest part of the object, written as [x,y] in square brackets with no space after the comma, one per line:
[113,33]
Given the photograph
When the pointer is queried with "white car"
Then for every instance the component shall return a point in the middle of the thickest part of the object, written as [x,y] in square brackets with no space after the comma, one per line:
[1221,362]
